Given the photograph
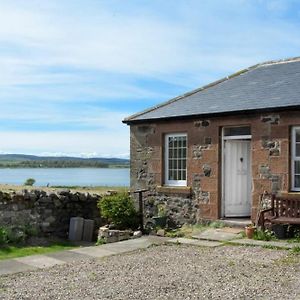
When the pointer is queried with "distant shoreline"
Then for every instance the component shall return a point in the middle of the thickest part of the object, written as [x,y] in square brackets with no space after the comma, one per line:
[22,161]
[64,167]
[81,189]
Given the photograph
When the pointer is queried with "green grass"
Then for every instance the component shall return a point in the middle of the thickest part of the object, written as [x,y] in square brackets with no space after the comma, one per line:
[8,251]
[189,230]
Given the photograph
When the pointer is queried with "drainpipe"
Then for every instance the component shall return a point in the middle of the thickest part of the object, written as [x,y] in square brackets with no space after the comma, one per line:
[141,208]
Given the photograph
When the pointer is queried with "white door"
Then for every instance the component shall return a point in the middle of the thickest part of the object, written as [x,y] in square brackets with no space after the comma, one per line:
[237,178]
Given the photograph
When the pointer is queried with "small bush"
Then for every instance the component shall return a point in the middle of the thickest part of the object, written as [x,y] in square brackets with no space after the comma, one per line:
[16,234]
[263,235]
[217,224]
[100,241]
[3,236]
[29,182]
[295,249]
[119,209]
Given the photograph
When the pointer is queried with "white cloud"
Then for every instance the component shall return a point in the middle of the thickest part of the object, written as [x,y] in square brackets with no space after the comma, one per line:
[75,143]
[57,57]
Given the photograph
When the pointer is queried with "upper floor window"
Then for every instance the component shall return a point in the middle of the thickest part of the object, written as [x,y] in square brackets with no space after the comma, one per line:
[175,159]
[295,144]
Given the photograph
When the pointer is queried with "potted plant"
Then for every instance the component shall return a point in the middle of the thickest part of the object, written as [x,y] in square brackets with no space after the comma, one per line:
[249,231]
[161,219]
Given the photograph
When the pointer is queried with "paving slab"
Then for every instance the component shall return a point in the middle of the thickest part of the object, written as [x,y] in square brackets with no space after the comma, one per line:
[266,243]
[201,243]
[129,245]
[12,266]
[213,234]
[95,251]
[39,261]
[69,256]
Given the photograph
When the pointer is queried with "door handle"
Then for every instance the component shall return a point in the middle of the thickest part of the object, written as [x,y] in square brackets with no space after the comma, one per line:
[241,159]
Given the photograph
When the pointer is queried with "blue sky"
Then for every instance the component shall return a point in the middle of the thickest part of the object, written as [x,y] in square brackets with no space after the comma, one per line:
[71,70]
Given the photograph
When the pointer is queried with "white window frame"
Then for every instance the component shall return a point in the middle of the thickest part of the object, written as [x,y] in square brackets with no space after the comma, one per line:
[166,157]
[294,157]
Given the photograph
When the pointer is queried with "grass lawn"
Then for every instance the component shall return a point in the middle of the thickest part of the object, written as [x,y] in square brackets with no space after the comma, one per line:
[10,251]
[89,189]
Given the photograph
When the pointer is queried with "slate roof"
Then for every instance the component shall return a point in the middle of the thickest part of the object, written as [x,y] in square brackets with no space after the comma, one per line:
[266,86]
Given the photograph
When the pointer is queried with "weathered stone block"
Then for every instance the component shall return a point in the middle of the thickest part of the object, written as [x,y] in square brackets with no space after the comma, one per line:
[76,229]
[88,230]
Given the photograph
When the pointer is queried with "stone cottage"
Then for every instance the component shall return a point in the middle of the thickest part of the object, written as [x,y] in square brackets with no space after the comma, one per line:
[211,153]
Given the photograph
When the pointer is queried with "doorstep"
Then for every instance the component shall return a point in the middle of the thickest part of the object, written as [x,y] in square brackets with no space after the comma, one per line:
[217,234]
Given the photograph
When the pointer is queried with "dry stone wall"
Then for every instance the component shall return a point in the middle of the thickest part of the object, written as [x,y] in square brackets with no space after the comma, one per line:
[48,213]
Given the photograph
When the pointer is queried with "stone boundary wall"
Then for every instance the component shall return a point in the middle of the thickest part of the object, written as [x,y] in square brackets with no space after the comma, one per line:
[48,213]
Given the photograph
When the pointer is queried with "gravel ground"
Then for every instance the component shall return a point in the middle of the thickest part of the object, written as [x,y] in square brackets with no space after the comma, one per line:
[166,272]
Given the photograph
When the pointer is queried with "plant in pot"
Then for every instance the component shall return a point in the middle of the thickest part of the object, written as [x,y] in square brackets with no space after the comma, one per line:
[249,231]
[161,219]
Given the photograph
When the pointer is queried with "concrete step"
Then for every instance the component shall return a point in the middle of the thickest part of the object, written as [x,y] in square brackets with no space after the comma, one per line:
[236,222]
[219,234]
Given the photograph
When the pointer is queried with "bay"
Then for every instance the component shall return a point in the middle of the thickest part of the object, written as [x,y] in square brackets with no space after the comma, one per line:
[67,176]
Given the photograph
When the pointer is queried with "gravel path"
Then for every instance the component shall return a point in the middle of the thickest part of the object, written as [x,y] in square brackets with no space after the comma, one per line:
[166,272]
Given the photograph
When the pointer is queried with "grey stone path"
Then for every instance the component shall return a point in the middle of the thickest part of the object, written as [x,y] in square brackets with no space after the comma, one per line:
[34,262]
[208,238]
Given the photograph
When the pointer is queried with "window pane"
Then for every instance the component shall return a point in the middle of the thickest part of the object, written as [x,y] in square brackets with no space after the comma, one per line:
[175,153]
[170,142]
[175,175]
[245,130]
[297,135]
[175,142]
[183,175]
[184,142]
[170,164]
[179,142]
[297,167]
[180,164]
[297,181]
[298,149]
[175,164]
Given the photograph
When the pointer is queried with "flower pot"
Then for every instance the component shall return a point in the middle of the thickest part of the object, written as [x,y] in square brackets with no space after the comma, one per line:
[249,231]
[160,221]
[280,231]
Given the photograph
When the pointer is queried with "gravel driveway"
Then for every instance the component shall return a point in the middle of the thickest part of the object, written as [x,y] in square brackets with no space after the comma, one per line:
[166,272]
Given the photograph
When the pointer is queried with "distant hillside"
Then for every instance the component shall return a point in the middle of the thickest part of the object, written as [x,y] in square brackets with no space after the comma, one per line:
[33,161]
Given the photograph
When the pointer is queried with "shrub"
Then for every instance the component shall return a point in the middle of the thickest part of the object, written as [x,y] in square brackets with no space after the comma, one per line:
[263,235]
[3,236]
[16,234]
[119,209]
[29,182]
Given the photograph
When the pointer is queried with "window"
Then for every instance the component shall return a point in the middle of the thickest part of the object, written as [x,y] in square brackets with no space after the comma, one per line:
[295,158]
[175,159]
[237,131]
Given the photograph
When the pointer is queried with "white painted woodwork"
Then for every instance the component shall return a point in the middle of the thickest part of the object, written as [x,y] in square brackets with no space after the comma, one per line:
[237,178]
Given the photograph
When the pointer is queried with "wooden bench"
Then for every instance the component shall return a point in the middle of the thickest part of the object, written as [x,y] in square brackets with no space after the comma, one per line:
[284,210]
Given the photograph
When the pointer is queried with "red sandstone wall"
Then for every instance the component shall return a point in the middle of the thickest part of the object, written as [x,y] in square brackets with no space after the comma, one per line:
[270,156]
